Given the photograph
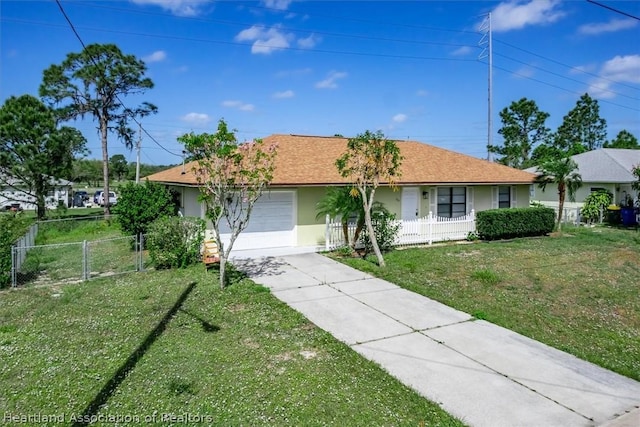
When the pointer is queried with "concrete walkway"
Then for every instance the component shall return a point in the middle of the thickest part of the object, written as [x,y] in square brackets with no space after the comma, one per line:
[479,372]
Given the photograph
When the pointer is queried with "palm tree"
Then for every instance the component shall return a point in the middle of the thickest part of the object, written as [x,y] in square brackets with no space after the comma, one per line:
[562,172]
[343,203]
[340,203]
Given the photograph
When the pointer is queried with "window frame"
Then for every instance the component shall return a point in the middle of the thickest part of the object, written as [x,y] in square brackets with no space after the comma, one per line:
[504,204]
[451,204]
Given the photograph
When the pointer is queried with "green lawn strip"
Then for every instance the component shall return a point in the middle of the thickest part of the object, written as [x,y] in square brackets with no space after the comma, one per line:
[577,292]
[63,343]
[237,357]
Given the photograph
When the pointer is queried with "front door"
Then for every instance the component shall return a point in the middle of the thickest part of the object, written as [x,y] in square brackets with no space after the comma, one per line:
[409,203]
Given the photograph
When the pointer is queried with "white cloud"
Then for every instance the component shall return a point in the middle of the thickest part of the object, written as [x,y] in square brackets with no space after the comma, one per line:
[157,56]
[399,118]
[265,40]
[196,118]
[606,27]
[309,42]
[330,81]
[524,72]
[239,105]
[277,4]
[177,7]
[582,69]
[516,14]
[422,92]
[619,69]
[461,51]
[285,94]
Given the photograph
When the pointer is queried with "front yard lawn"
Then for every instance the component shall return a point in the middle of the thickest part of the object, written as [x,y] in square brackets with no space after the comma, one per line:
[578,291]
[154,347]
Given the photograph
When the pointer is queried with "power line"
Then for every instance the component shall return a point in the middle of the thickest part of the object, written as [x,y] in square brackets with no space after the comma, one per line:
[613,9]
[332,17]
[562,88]
[306,31]
[299,49]
[116,96]
[563,77]
[572,68]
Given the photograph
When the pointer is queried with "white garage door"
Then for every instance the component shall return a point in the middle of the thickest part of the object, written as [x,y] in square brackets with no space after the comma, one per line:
[271,224]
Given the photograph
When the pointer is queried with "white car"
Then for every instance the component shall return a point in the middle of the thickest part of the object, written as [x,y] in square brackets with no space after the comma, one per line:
[113,199]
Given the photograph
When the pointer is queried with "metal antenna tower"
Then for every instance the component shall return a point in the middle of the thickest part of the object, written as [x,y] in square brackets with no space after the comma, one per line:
[486,42]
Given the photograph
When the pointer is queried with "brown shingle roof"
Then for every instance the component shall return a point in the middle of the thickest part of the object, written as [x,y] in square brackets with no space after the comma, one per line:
[310,160]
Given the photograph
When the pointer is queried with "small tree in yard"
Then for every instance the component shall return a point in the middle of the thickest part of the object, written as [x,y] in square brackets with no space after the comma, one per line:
[370,160]
[563,173]
[141,204]
[636,184]
[595,204]
[232,177]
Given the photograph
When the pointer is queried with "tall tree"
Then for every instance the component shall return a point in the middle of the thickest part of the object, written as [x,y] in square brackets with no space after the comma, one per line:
[34,152]
[88,171]
[232,177]
[118,165]
[582,129]
[370,160]
[624,139]
[564,174]
[94,82]
[523,128]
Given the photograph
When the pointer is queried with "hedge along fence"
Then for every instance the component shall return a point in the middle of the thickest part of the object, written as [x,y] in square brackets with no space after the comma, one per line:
[12,227]
[514,222]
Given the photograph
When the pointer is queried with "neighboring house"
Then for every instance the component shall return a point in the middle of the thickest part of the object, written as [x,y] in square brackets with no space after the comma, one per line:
[606,168]
[433,179]
[14,191]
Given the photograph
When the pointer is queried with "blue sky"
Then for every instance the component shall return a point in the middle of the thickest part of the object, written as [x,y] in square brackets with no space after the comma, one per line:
[413,69]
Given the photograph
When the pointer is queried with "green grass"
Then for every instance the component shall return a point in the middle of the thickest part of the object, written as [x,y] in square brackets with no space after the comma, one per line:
[578,291]
[150,343]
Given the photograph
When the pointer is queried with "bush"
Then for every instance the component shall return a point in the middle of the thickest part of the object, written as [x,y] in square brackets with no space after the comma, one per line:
[596,204]
[141,204]
[175,242]
[385,228]
[515,222]
[12,227]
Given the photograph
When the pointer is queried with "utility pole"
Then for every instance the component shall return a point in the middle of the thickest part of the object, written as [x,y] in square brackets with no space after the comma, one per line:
[138,154]
[486,42]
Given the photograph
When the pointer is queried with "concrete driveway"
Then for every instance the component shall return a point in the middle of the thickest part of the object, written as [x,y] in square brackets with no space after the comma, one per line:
[479,372]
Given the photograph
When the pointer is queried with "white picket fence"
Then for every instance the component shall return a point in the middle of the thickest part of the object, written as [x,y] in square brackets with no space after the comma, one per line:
[419,231]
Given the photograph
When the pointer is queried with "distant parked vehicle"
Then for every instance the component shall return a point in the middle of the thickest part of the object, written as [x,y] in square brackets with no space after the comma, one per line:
[113,199]
[13,207]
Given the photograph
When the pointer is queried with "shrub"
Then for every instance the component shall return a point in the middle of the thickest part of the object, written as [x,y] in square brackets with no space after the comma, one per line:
[515,222]
[12,227]
[141,204]
[385,228]
[596,204]
[175,242]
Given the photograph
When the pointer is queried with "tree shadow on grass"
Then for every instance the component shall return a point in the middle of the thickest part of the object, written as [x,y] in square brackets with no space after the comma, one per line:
[112,385]
[206,326]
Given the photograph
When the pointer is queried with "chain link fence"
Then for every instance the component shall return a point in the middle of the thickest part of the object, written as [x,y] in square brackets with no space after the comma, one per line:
[73,261]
